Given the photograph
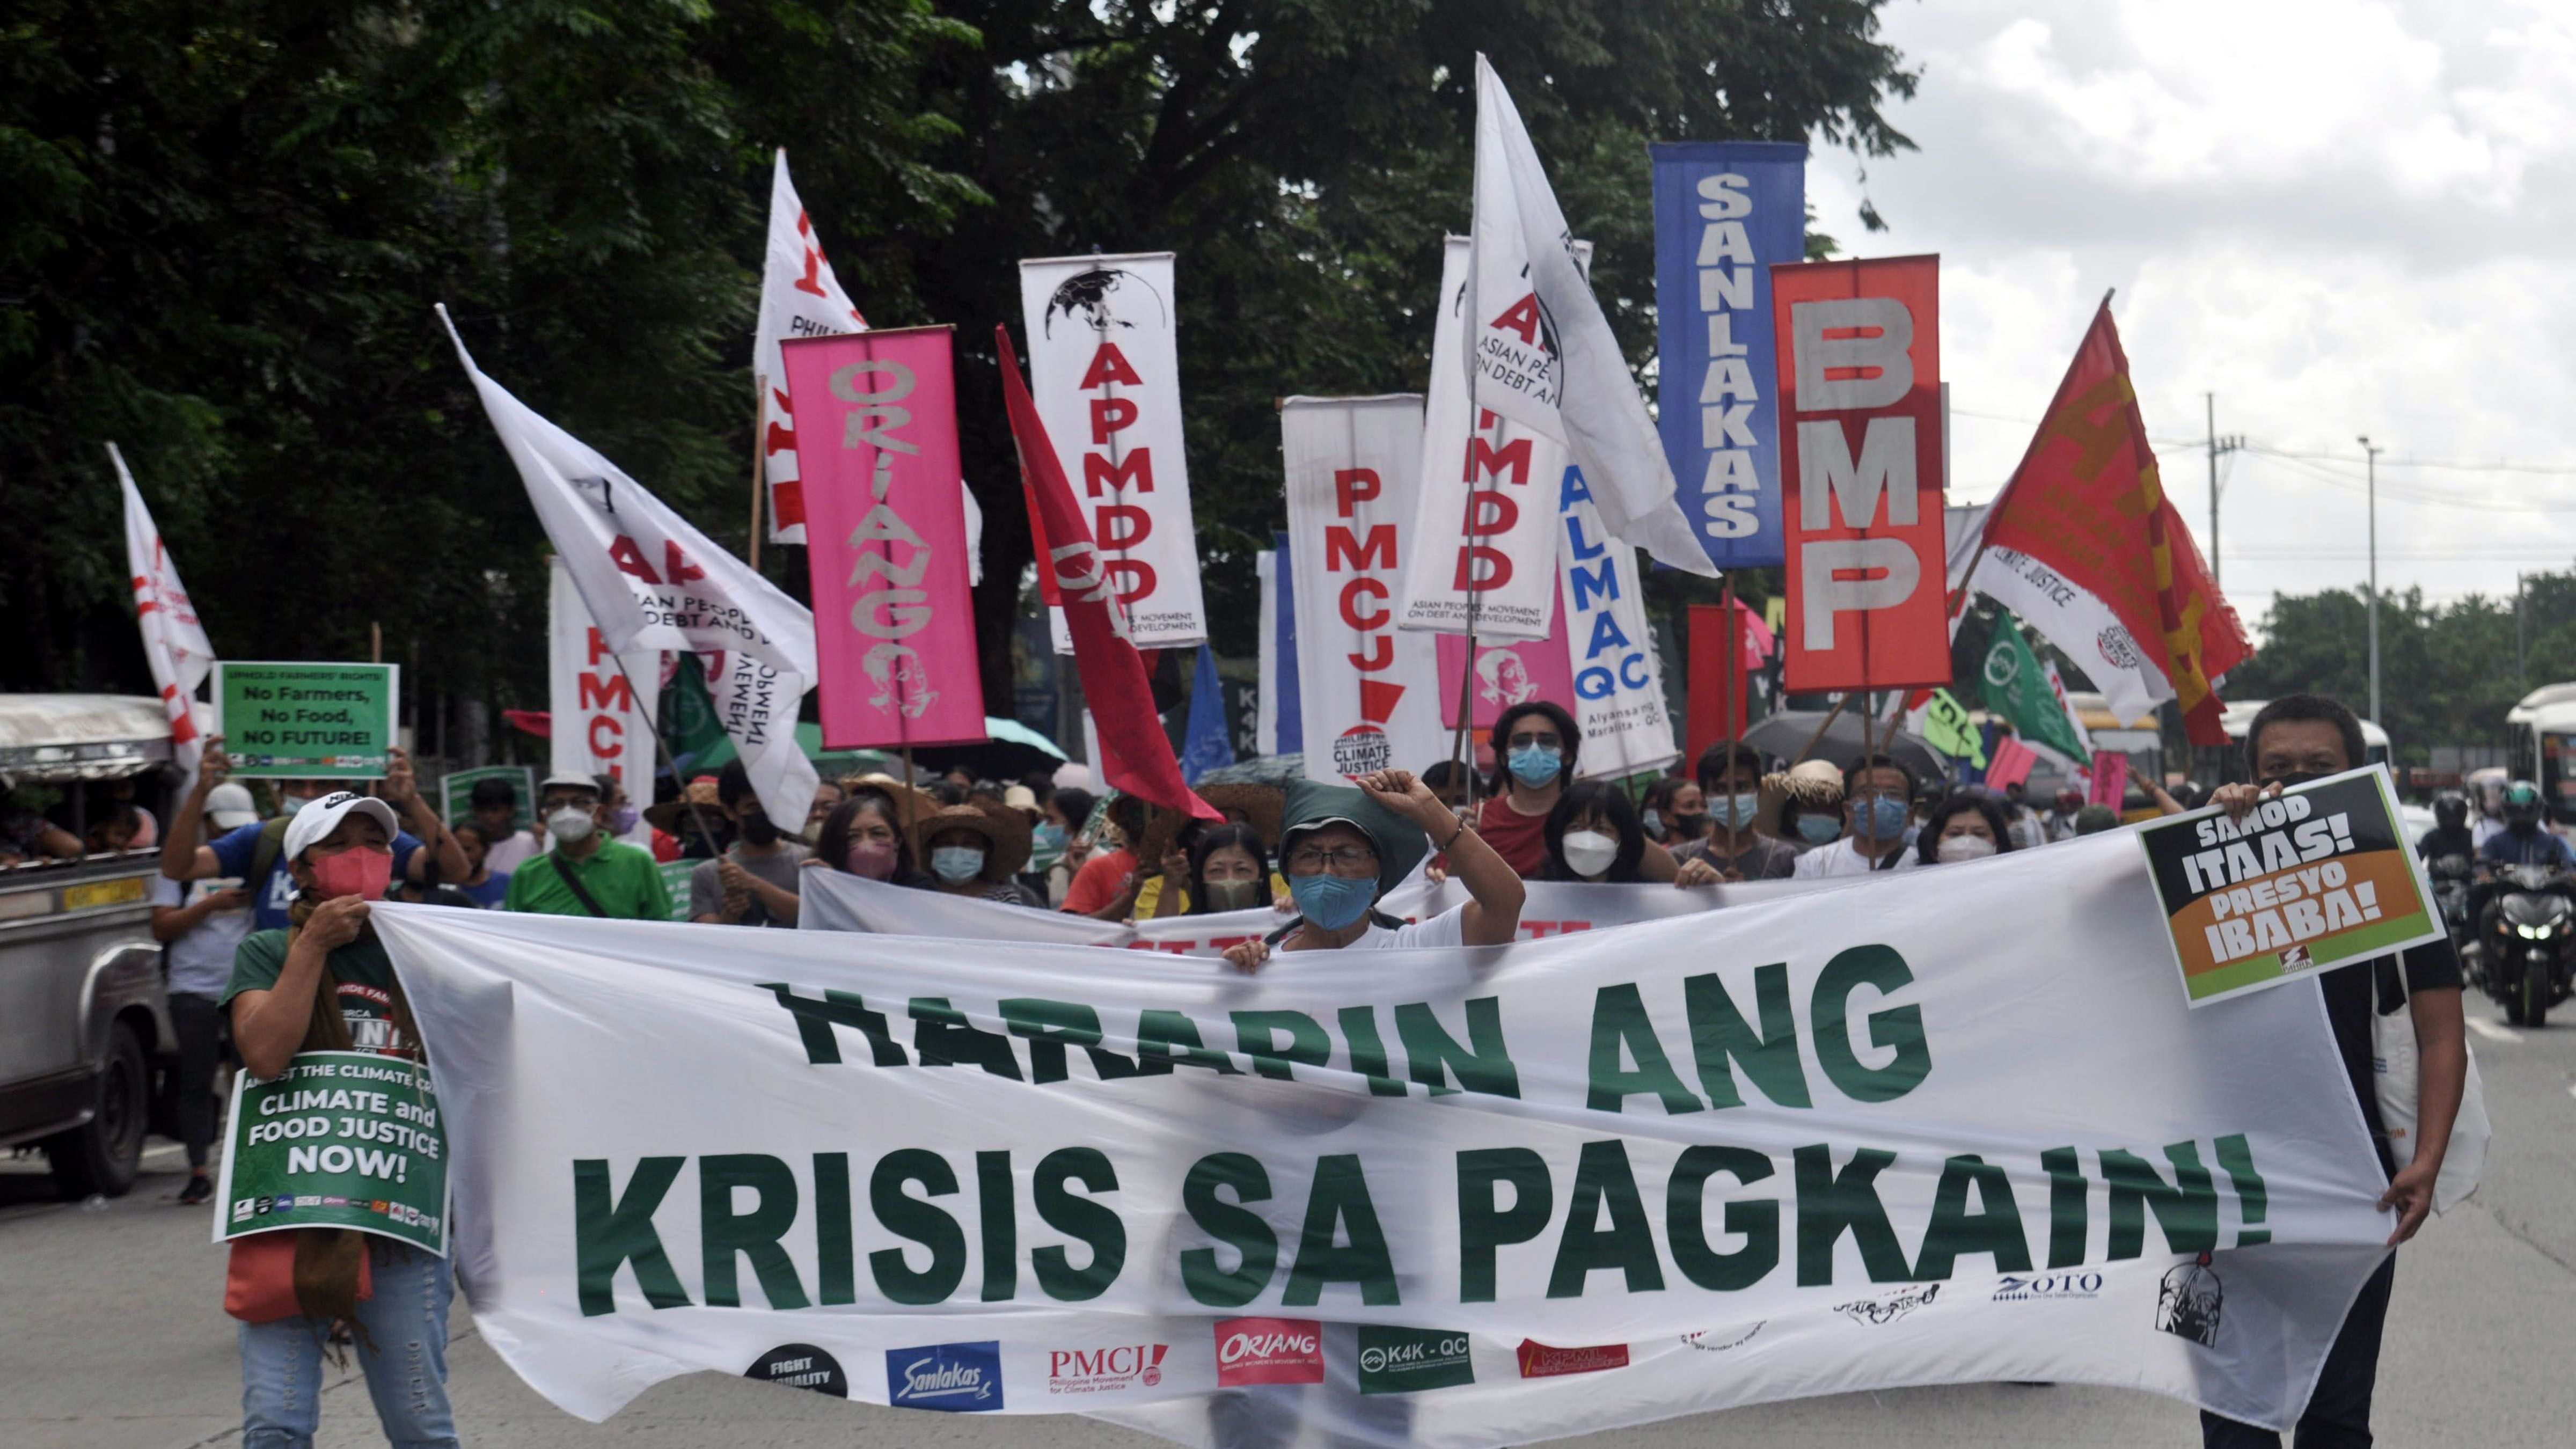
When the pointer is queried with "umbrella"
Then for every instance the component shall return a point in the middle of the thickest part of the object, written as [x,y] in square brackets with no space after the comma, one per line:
[1014,750]
[1259,770]
[1785,732]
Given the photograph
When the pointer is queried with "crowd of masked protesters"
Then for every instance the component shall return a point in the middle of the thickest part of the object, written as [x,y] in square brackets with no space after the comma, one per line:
[269,944]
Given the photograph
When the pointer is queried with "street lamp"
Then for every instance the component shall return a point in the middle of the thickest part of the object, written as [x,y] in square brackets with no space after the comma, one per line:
[2371,456]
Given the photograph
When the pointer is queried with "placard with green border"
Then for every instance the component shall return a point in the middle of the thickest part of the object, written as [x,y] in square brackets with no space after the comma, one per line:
[337,1140]
[307,721]
[456,792]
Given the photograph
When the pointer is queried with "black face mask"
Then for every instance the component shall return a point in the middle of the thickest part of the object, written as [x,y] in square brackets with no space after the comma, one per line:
[756,829]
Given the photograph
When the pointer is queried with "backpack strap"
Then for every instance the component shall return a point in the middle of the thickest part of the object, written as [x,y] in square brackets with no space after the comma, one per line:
[263,859]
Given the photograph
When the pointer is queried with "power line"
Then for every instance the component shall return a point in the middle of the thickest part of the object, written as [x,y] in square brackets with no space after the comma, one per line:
[2450,464]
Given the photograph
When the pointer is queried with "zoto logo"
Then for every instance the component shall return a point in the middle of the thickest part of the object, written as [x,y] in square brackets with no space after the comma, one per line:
[1403,1360]
[1880,1312]
[1269,1351]
[957,1378]
[1539,1361]
[2022,1287]
[1104,1370]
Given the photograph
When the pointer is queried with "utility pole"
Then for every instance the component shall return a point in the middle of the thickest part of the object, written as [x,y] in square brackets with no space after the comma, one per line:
[2217,445]
[2371,454]
[2521,671]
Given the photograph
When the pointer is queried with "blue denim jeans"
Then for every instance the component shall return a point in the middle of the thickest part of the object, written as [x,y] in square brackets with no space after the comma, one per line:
[406,1370]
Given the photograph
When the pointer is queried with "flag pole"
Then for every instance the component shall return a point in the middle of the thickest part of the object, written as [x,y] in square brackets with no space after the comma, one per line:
[653,717]
[1730,639]
[759,439]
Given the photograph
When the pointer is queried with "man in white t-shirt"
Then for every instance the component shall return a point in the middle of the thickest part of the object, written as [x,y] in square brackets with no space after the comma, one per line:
[1343,848]
[1877,799]
[199,923]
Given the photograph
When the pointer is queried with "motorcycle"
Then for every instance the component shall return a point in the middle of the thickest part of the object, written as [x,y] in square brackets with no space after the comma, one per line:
[2451,874]
[2530,942]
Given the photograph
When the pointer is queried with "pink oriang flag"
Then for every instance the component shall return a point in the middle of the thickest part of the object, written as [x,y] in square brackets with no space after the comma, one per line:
[174,642]
[1135,755]
[799,297]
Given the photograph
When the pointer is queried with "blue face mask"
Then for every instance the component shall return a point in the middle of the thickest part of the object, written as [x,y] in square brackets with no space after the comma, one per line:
[1884,820]
[957,864]
[1332,901]
[1817,829]
[1735,812]
[1050,837]
[1536,766]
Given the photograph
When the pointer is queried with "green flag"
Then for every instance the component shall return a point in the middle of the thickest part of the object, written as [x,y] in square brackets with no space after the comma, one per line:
[1947,728]
[2017,689]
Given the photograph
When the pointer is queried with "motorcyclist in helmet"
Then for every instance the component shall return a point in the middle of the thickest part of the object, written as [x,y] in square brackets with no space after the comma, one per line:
[2450,834]
[2524,840]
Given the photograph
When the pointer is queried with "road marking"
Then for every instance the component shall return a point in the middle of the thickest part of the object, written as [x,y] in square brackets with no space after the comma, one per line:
[2491,1031]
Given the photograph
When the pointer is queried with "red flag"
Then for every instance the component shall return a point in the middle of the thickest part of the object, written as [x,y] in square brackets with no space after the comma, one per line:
[2009,762]
[2086,501]
[1135,754]
[1727,643]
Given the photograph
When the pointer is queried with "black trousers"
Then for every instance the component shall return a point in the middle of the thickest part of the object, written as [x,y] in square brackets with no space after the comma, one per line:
[2338,1413]
[200,1025]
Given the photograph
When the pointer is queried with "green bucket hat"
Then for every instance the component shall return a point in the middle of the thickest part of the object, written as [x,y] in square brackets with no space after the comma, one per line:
[1400,843]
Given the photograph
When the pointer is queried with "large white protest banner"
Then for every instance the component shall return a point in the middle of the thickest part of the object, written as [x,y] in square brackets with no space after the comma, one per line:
[652,581]
[1453,1198]
[1105,368]
[601,702]
[799,297]
[1482,527]
[1366,689]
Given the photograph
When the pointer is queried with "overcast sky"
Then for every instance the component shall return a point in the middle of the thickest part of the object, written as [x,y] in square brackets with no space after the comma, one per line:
[2341,217]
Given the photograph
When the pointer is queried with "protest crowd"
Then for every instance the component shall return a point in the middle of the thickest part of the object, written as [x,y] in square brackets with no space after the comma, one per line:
[1467,749]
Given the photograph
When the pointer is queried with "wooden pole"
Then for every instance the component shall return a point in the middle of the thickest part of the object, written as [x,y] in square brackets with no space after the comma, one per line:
[903,802]
[375,642]
[759,468]
[1731,640]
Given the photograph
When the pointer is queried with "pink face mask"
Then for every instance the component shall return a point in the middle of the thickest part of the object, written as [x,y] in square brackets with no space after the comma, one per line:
[871,858]
[357,872]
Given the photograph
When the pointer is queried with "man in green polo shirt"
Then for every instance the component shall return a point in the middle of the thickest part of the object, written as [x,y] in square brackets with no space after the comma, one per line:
[586,873]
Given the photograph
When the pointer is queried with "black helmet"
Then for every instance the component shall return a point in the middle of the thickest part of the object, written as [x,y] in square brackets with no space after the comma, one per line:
[2522,803]
[2450,809]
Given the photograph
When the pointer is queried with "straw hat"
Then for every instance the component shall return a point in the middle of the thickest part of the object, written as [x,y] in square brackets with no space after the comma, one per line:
[909,803]
[1262,807]
[671,817]
[1005,834]
[1814,784]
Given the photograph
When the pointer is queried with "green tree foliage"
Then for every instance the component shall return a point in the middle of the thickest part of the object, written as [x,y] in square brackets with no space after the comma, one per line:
[2447,672]
[229,219]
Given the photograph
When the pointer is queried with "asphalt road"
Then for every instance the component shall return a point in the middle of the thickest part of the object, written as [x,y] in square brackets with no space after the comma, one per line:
[112,1336]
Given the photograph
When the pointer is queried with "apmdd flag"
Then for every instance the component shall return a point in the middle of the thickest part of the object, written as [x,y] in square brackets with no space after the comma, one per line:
[1785,1149]
[2316,878]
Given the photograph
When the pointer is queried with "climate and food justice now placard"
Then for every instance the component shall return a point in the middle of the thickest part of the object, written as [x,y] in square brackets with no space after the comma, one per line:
[2315,878]
[337,1140]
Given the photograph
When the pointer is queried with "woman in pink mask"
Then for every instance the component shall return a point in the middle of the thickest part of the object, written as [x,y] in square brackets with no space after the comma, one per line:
[863,837]
[325,984]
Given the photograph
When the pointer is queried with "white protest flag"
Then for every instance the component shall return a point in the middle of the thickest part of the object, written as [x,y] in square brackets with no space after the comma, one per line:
[1485,475]
[1544,354]
[1104,369]
[799,297]
[1368,691]
[1618,678]
[174,642]
[651,581]
[602,702]
[2065,614]
[1441,1197]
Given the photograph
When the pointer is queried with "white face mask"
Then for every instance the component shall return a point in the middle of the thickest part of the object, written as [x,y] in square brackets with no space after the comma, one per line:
[1589,852]
[1965,847]
[571,825]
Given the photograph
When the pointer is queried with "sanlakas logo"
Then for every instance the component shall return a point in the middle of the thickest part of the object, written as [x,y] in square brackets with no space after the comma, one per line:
[954,1377]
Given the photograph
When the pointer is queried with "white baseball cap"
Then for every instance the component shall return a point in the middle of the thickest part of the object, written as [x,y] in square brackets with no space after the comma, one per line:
[309,825]
[230,805]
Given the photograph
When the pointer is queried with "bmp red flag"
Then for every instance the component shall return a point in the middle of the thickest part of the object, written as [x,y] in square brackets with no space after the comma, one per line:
[1860,465]
[1135,754]
[2087,502]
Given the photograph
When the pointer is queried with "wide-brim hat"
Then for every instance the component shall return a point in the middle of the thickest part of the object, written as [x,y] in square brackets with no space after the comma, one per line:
[1401,844]
[1004,832]
[1263,808]
[1814,784]
[910,802]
